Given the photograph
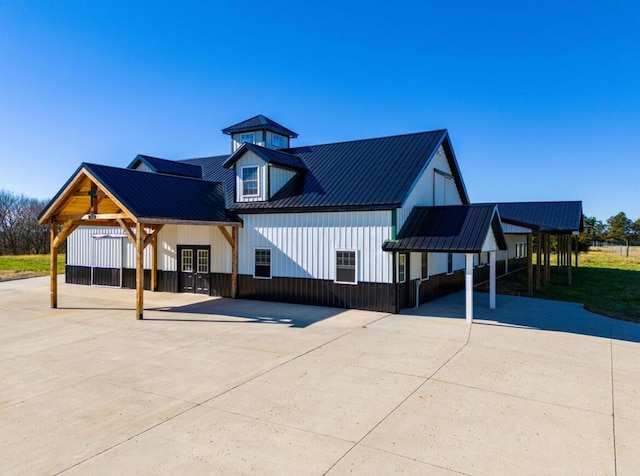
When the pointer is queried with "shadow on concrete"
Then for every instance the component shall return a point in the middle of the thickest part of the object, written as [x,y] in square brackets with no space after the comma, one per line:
[531,313]
[246,312]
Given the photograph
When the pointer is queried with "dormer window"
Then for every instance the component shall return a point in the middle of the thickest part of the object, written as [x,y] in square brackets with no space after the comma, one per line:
[276,141]
[250,181]
[249,137]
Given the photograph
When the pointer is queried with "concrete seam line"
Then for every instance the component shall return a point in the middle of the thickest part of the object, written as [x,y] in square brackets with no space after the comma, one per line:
[395,408]
[214,397]
[613,404]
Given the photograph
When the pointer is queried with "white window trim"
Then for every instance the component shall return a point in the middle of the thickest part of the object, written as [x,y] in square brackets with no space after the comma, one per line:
[257,167]
[428,273]
[335,266]
[270,262]
[453,265]
[402,255]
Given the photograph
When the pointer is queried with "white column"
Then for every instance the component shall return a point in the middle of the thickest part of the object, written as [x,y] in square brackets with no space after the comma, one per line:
[492,279]
[468,286]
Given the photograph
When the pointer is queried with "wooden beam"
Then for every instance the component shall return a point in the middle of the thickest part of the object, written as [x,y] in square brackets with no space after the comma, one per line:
[127,230]
[139,270]
[226,235]
[92,216]
[149,237]
[68,228]
[53,263]
[577,250]
[569,237]
[154,262]
[547,255]
[234,262]
[530,264]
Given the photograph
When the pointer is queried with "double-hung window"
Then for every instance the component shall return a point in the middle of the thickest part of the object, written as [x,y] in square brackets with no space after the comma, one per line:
[276,140]
[346,267]
[250,181]
[262,263]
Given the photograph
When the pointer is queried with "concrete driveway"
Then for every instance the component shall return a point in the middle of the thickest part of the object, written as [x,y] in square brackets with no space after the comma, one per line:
[215,386]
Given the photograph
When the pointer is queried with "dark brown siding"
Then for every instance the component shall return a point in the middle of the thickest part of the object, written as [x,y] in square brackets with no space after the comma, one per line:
[77,274]
[367,296]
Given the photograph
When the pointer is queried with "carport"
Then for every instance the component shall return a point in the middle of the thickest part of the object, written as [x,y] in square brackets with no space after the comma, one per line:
[460,229]
[141,204]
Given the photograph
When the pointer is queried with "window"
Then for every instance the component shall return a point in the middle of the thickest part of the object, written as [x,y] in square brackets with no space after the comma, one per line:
[250,181]
[450,263]
[247,138]
[425,265]
[203,261]
[346,267]
[262,263]
[187,261]
[402,268]
[276,140]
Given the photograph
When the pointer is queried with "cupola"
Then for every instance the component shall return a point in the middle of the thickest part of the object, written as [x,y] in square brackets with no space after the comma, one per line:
[260,130]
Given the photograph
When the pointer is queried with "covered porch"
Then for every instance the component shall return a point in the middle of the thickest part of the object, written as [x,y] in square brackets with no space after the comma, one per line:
[458,229]
[140,204]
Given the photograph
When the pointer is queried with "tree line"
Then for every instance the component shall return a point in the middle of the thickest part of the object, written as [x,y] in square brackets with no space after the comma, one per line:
[617,228]
[20,233]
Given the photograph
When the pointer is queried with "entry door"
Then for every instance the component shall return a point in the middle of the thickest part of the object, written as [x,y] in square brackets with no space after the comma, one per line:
[193,266]
[404,283]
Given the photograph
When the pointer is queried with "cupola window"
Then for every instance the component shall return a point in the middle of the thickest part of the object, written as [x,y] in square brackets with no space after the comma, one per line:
[249,137]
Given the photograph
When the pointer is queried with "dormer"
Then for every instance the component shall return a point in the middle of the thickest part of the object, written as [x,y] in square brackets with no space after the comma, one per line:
[262,131]
[260,172]
[146,163]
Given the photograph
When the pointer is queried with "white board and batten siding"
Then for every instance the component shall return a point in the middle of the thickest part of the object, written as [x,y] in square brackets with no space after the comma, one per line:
[303,245]
[85,250]
[249,159]
[278,177]
[432,188]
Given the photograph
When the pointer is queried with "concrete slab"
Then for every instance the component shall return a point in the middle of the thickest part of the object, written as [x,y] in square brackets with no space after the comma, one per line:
[532,376]
[627,441]
[51,432]
[195,373]
[321,395]
[525,389]
[209,441]
[474,431]
[371,462]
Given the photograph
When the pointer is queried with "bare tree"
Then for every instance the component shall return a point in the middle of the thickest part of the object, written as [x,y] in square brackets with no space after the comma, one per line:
[20,232]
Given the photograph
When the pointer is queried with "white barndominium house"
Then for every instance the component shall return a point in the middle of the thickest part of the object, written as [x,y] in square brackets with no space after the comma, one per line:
[379,224]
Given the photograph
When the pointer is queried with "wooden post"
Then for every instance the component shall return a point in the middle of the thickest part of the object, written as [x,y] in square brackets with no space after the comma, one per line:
[234,262]
[139,270]
[154,262]
[530,263]
[577,249]
[539,261]
[53,262]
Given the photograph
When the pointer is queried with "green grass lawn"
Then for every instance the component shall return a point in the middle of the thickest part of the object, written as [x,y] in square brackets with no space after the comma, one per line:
[27,266]
[606,283]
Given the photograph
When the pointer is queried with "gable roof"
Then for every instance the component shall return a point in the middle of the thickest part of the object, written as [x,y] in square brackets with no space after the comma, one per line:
[151,198]
[560,217]
[357,175]
[168,167]
[271,156]
[259,122]
[454,228]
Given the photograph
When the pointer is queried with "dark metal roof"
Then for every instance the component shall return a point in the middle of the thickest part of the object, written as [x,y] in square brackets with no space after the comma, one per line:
[454,228]
[164,197]
[559,217]
[257,123]
[276,157]
[168,167]
[364,174]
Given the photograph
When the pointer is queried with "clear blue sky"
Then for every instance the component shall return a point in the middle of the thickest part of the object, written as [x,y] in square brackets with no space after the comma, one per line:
[542,101]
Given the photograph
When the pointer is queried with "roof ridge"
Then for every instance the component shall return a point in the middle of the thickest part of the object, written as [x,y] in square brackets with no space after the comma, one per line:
[369,139]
